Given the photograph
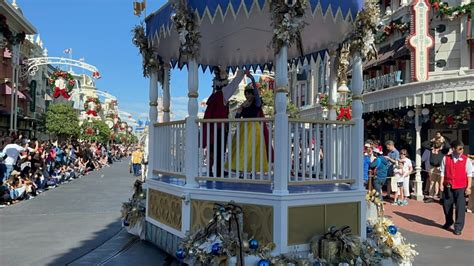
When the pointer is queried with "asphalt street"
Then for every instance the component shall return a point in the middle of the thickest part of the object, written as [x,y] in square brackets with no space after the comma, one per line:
[64,225]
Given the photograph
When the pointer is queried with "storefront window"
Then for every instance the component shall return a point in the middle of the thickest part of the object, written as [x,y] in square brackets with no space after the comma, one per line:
[303,93]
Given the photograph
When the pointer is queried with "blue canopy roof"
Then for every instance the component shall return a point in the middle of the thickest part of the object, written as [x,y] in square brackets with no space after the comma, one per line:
[228,24]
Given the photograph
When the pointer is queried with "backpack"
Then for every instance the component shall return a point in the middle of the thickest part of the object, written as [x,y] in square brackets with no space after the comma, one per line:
[381,167]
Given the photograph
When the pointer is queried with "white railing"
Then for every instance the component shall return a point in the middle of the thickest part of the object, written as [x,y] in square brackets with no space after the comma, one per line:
[319,151]
[236,150]
[170,146]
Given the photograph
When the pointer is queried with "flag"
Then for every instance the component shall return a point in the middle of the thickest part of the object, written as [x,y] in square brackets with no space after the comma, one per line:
[68,51]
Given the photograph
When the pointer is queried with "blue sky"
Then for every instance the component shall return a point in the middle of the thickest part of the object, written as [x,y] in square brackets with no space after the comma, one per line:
[100,31]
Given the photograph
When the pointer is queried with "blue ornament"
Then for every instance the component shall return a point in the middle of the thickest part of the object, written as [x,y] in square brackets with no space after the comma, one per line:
[180,253]
[125,223]
[216,248]
[369,230]
[263,262]
[253,244]
[317,263]
[392,229]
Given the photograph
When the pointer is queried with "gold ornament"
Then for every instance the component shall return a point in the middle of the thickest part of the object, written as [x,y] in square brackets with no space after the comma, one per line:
[245,245]
[379,229]
[387,252]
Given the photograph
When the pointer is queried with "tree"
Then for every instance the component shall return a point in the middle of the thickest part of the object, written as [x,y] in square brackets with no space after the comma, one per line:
[96,130]
[269,103]
[62,121]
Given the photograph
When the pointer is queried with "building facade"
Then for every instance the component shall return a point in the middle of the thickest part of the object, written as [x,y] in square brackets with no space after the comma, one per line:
[15,95]
[413,89]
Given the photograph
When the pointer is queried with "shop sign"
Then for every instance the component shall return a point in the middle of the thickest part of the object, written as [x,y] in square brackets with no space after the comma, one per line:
[420,41]
[385,81]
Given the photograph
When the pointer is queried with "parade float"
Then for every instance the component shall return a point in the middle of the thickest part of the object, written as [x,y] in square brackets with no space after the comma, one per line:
[299,186]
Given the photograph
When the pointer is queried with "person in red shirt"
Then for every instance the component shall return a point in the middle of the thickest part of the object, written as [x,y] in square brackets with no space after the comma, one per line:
[456,174]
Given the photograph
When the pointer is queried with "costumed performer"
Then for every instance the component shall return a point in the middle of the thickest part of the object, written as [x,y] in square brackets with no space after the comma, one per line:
[217,108]
[250,131]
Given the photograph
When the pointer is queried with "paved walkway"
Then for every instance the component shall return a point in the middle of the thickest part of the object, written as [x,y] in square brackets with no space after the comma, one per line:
[63,224]
[427,219]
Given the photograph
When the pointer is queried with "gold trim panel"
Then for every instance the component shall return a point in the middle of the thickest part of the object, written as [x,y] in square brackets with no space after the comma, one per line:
[305,222]
[258,219]
[165,208]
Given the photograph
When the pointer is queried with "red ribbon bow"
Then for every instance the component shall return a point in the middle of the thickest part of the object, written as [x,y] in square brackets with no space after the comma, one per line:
[91,112]
[344,112]
[58,92]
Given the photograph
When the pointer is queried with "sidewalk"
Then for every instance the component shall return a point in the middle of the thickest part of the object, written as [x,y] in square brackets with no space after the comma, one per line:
[427,219]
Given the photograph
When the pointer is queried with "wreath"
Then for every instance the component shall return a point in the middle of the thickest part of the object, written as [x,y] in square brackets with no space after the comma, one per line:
[288,23]
[96,109]
[188,31]
[62,83]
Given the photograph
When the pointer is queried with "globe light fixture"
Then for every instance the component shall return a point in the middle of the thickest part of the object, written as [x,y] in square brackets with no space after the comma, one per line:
[343,94]
[325,113]
[410,113]
[425,111]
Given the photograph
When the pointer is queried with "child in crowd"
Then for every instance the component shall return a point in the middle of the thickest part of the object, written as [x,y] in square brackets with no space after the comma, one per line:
[400,175]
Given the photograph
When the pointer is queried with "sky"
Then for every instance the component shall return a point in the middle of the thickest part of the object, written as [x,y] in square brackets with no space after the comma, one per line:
[100,32]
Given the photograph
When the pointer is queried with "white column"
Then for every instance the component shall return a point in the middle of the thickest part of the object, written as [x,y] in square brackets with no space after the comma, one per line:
[313,81]
[14,81]
[191,152]
[404,2]
[281,123]
[153,114]
[418,182]
[357,148]
[166,94]
[332,87]
[464,48]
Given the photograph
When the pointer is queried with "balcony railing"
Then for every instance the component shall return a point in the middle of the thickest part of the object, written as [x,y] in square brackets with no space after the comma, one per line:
[244,151]
[238,150]
[319,151]
[170,147]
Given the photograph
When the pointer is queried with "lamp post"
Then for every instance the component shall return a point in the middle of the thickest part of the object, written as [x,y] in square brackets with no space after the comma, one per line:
[343,94]
[420,115]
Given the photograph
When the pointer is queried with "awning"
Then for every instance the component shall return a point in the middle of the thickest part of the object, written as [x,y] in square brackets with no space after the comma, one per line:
[388,52]
[451,88]
[7,90]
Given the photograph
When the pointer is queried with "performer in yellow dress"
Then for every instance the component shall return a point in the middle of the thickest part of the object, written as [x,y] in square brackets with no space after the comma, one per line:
[251,108]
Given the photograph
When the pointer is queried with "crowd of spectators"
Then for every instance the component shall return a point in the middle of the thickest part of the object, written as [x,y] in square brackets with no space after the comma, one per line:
[30,167]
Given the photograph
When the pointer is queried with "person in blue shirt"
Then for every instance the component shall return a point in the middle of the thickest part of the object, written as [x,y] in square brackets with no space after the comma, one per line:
[392,157]
[380,166]
[367,161]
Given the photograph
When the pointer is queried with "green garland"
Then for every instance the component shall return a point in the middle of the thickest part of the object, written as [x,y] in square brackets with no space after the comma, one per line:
[148,57]
[390,29]
[444,10]
[288,23]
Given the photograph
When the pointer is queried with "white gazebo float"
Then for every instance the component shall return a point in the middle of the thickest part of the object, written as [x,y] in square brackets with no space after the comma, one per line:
[302,192]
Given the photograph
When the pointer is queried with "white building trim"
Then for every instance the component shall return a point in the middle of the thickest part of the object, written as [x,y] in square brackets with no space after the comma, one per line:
[455,87]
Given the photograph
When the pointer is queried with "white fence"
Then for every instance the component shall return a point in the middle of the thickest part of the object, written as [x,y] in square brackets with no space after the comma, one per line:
[170,147]
[239,150]
[242,150]
[320,151]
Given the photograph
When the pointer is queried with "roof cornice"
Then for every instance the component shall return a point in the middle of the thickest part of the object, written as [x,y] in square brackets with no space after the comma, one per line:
[20,23]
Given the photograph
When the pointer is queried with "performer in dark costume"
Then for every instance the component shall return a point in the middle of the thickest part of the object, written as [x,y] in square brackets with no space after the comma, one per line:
[217,108]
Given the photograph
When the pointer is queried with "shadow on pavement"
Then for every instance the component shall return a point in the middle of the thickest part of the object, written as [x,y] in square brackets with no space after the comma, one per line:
[417,219]
[85,247]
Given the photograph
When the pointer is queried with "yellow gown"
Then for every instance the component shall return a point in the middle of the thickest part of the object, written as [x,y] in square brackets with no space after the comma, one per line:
[246,138]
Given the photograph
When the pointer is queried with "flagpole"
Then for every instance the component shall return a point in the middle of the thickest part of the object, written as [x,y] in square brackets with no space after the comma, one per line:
[70,57]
